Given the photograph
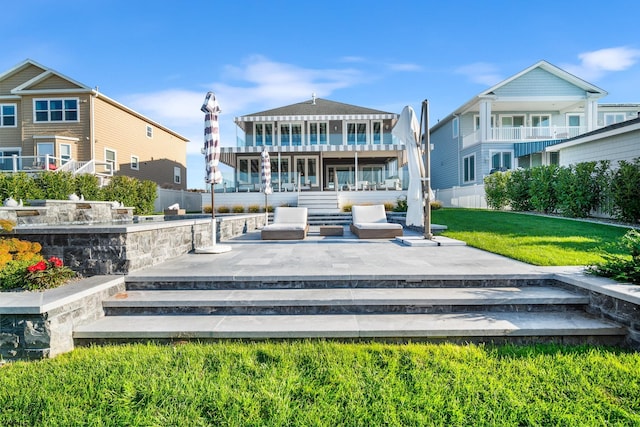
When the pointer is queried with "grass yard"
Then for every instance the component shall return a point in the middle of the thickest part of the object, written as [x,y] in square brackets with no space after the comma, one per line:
[534,239]
[324,384]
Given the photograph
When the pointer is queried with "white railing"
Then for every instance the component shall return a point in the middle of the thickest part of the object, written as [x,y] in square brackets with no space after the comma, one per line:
[525,133]
[15,163]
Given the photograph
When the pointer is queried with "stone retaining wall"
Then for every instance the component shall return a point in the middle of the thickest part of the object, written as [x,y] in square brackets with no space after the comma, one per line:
[59,212]
[38,325]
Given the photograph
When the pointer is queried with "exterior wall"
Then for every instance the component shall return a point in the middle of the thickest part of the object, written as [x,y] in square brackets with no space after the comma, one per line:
[445,157]
[615,148]
[126,134]
[539,82]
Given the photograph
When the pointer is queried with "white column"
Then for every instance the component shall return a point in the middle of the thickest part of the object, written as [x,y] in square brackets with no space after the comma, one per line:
[591,113]
[485,120]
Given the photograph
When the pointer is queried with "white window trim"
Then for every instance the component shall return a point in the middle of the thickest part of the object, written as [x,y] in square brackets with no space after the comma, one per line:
[371,139]
[290,125]
[64,160]
[548,115]
[135,163]
[624,117]
[177,175]
[309,134]
[262,143]
[455,127]
[114,166]
[15,117]
[149,131]
[581,115]
[367,132]
[472,178]
[493,152]
[35,100]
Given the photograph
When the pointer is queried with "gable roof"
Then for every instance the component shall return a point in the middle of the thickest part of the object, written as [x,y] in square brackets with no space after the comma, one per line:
[561,102]
[316,109]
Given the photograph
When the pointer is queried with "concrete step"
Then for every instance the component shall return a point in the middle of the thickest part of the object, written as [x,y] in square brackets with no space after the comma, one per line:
[509,326]
[343,300]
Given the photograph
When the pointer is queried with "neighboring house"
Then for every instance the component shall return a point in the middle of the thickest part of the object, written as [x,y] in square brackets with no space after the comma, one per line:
[46,115]
[317,145]
[620,141]
[510,124]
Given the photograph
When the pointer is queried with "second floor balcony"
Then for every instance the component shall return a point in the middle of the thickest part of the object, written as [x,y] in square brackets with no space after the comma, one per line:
[524,134]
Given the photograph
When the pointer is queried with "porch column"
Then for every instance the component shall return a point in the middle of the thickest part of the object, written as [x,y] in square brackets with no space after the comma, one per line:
[591,113]
[485,120]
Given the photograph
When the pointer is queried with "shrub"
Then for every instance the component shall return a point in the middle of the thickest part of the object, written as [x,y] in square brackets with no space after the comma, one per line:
[47,274]
[221,209]
[401,205]
[624,268]
[388,206]
[435,205]
[495,188]
[269,208]
[518,189]
[88,186]
[208,209]
[253,209]
[129,191]
[577,189]
[238,209]
[347,207]
[625,189]
[19,186]
[56,185]
[542,193]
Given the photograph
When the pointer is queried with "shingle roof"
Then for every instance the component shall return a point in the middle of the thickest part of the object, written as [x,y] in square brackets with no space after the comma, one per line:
[321,107]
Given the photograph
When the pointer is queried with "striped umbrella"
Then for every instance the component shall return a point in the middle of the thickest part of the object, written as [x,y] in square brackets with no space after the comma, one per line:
[211,140]
[266,178]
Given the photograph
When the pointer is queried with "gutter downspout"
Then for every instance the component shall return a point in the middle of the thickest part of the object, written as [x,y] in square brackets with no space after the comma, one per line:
[94,95]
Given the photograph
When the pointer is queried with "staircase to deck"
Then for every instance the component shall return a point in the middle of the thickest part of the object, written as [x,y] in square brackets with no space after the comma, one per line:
[319,202]
[499,311]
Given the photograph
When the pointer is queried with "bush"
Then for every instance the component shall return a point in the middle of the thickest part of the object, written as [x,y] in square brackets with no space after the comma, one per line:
[435,205]
[577,189]
[347,207]
[621,267]
[221,209]
[88,186]
[401,205]
[238,209]
[129,191]
[519,181]
[625,189]
[253,209]
[542,193]
[495,189]
[56,185]
[388,206]
[19,186]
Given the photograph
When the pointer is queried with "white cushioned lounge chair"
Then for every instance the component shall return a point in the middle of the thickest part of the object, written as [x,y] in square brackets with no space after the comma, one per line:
[289,223]
[370,222]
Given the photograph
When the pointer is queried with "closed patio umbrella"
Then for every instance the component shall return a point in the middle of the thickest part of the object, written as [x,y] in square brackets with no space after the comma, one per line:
[266,180]
[407,130]
[212,159]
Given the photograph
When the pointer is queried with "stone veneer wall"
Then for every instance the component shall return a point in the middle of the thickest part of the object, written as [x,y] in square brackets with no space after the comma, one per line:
[38,325]
[119,249]
[58,212]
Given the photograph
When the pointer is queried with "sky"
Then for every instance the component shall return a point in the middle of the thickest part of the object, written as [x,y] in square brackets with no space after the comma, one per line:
[161,58]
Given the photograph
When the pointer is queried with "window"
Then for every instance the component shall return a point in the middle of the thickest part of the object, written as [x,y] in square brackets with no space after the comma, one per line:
[541,124]
[56,110]
[376,132]
[290,134]
[455,125]
[45,152]
[469,168]
[149,131]
[110,158]
[574,119]
[357,133]
[612,118]
[177,175]
[7,115]
[501,160]
[135,163]
[318,133]
[263,133]
[65,153]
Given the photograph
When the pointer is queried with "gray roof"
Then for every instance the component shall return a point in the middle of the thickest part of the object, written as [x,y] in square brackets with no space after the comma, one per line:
[317,107]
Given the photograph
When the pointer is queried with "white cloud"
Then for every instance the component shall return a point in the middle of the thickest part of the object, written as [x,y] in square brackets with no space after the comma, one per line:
[405,67]
[480,72]
[593,65]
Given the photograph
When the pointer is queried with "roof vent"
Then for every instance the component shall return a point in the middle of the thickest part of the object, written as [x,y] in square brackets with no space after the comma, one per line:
[313,98]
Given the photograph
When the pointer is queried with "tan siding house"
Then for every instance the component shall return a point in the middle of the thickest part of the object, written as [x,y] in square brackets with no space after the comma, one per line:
[44,112]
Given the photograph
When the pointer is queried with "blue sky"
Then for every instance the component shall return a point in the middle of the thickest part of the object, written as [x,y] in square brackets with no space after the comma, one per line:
[160,58]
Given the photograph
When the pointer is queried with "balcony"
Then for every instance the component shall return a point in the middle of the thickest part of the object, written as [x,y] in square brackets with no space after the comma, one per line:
[524,134]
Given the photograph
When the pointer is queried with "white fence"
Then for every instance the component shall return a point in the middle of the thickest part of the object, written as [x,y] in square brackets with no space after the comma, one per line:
[188,200]
[471,196]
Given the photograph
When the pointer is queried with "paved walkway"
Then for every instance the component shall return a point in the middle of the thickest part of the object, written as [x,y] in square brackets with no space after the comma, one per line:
[345,257]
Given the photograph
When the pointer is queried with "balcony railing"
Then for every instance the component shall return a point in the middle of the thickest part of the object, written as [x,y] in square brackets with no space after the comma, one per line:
[34,164]
[523,133]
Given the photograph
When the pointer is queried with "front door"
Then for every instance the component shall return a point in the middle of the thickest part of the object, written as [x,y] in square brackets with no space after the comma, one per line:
[306,168]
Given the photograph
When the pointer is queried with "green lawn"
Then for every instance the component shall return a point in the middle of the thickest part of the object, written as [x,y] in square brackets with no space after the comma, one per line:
[324,384]
[534,239]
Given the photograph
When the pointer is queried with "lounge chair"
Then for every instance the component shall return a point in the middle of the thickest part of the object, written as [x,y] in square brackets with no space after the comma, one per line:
[370,222]
[288,224]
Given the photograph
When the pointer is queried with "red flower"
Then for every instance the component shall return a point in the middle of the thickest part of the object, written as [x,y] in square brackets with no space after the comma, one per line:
[57,262]
[36,267]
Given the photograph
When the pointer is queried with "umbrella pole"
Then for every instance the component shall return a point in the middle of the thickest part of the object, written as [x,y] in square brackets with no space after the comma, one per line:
[213,216]
[426,184]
